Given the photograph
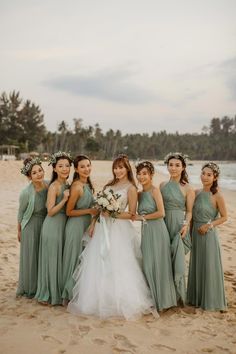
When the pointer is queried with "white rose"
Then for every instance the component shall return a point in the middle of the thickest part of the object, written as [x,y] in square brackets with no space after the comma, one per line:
[109,195]
[110,207]
[104,202]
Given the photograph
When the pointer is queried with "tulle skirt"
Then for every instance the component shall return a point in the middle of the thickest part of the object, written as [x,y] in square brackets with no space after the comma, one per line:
[109,281]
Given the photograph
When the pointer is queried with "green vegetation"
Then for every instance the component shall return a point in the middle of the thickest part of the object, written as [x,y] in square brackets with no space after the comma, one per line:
[21,123]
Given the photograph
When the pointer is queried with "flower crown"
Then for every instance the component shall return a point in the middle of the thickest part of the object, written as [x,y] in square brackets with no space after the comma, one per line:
[53,157]
[122,156]
[148,164]
[176,155]
[28,167]
[213,166]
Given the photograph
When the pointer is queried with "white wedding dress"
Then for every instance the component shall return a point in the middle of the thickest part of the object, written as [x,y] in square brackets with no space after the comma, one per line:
[109,279]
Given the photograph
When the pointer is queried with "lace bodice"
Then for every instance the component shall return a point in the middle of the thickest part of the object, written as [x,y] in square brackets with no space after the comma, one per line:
[122,190]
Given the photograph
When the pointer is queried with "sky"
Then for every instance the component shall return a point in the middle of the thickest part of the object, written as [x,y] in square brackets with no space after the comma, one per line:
[135,65]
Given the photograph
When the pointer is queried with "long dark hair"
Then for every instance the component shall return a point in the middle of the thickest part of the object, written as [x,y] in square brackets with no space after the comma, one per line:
[123,160]
[76,174]
[184,176]
[54,173]
[216,172]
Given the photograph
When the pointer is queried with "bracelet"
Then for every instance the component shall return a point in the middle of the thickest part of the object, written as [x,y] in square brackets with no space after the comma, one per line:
[185,223]
[210,225]
[144,221]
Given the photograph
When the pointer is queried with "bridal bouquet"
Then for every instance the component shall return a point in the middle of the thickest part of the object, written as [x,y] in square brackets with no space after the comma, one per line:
[108,201]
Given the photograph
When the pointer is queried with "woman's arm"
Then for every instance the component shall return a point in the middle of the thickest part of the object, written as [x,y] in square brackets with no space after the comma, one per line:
[19,231]
[190,197]
[160,213]
[132,204]
[52,207]
[76,193]
[220,203]
[23,203]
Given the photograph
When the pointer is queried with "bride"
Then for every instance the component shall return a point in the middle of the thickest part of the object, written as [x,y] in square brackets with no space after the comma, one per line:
[109,281]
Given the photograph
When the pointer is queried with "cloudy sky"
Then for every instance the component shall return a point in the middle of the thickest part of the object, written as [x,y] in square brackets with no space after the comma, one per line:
[134,65]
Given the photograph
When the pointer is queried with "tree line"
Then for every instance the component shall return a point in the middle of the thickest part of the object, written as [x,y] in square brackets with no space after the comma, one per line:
[22,124]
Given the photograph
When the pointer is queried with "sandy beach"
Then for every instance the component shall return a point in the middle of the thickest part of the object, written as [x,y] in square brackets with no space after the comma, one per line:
[28,327]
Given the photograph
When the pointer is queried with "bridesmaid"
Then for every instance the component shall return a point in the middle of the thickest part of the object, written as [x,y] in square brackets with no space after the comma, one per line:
[52,237]
[178,199]
[206,276]
[155,244]
[79,209]
[31,214]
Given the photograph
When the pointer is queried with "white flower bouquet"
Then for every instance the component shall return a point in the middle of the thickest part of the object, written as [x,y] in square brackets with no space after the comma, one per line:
[108,201]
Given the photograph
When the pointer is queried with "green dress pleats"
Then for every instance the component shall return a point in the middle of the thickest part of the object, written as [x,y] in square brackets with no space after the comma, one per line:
[50,256]
[206,276]
[75,229]
[155,246]
[29,247]
[175,209]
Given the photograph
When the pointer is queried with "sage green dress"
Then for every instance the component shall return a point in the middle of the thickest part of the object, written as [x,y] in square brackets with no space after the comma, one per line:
[29,247]
[50,256]
[155,246]
[175,209]
[75,229]
[206,276]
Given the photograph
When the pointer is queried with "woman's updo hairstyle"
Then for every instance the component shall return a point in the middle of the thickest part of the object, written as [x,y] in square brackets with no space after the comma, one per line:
[145,164]
[216,172]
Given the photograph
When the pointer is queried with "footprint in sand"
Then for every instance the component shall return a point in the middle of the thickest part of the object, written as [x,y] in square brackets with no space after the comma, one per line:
[227,272]
[84,330]
[99,341]
[223,350]
[162,346]
[51,339]
[112,324]
[123,344]
[207,350]
[60,351]
[204,333]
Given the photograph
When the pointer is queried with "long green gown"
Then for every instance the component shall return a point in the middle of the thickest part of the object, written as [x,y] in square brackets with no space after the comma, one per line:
[206,276]
[50,256]
[155,246]
[29,247]
[75,229]
[175,209]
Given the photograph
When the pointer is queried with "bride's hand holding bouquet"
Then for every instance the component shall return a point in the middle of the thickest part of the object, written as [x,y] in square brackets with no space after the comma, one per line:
[107,202]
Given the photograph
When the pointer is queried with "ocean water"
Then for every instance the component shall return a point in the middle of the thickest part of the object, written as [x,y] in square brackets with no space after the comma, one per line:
[227,178]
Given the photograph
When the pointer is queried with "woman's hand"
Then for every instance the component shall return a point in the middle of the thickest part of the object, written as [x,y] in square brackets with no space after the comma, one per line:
[136,217]
[203,229]
[93,211]
[183,231]
[105,214]
[91,230]
[19,236]
[66,195]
